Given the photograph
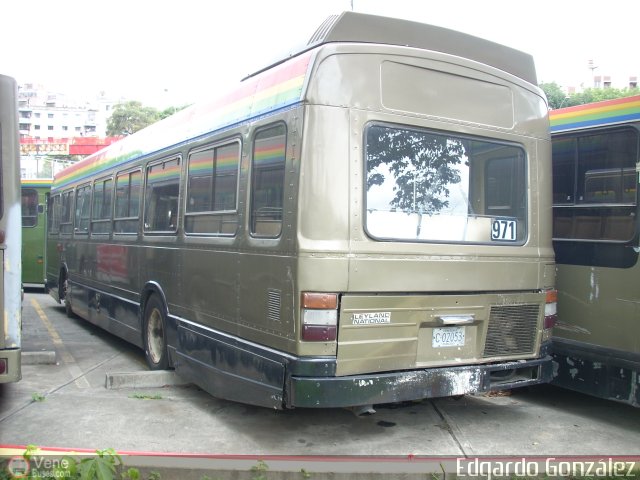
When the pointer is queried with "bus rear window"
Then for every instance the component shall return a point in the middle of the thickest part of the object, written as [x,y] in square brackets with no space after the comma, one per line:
[435,187]
[29,207]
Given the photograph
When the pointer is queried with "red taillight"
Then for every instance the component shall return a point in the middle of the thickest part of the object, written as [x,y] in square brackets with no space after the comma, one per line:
[550,311]
[319,316]
[3,366]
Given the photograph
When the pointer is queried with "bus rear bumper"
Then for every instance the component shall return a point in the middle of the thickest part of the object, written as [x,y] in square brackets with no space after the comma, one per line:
[391,387]
[10,365]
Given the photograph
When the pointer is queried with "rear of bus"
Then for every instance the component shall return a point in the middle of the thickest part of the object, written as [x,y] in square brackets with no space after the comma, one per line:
[424,227]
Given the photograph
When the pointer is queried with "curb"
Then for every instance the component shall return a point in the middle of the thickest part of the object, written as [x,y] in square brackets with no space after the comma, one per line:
[38,358]
[150,379]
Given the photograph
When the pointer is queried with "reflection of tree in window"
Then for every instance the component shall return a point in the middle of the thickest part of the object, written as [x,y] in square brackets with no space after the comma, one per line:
[422,165]
[268,181]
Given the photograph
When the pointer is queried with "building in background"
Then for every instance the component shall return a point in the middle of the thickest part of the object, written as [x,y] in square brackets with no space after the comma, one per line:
[44,114]
[57,129]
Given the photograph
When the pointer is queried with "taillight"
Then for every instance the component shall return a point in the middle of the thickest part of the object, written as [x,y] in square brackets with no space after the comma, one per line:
[550,313]
[319,316]
[3,366]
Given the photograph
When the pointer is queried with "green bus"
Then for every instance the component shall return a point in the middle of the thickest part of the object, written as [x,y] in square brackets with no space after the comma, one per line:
[10,234]
[367,221]
[35,193]
[596,162]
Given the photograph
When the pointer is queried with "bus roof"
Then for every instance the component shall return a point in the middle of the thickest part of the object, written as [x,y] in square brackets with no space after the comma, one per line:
[596,114]
[363,28]
[36,182]
[281,86]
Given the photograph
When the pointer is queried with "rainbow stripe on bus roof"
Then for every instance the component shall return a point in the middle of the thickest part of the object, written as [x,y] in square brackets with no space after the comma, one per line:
[36,182]
[274,89]
[594,114]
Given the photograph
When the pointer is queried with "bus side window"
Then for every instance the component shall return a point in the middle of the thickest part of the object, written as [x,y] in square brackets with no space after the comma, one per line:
[267,181]
[83,208]
[127,202]
[53,214]
[101,211]
[161,196]
[66,212]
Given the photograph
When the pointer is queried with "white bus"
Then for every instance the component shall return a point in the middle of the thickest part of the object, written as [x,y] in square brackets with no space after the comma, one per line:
[10,234]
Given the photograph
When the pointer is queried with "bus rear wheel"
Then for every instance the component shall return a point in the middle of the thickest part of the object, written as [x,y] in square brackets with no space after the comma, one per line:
[154,334]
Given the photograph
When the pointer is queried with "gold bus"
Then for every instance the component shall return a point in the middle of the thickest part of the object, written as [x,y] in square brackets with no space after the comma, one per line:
[367,221]
[595,204]
[10,234]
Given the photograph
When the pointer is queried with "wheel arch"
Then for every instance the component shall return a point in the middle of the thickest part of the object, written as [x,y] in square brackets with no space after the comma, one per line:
[154,288]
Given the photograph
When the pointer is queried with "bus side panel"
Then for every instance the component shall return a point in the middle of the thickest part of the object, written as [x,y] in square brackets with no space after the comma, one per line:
[208,285]
[228,369]
[591,371]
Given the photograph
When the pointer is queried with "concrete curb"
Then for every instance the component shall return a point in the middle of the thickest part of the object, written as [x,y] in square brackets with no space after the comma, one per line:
[150,379]
[38,358]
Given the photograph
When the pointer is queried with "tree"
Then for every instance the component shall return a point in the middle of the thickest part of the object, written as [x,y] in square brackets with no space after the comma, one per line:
[129,117]
[421,163]
[555,96]
[558,99]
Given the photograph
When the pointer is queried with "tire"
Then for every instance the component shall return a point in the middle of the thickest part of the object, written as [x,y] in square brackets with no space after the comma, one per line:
[66,298]
[154,334]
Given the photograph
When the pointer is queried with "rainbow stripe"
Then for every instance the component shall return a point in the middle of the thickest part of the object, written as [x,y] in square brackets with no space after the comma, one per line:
[274,89]
[36,182]
[269,151]
[595,114]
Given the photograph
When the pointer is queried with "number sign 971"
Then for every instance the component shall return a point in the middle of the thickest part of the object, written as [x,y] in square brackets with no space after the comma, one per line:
[504,229]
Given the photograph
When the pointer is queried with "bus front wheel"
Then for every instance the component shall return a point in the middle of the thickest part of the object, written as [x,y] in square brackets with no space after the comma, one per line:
[154,334]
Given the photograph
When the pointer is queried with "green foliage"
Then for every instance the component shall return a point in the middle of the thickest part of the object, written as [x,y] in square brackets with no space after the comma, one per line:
[101,467]
[38,397]
[259,471]
[129,117]
[558,99]
[146,396]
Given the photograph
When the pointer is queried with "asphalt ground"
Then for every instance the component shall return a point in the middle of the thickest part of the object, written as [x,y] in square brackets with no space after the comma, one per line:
[84,389]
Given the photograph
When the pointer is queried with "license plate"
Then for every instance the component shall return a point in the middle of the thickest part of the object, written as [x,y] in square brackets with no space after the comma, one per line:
[448,337]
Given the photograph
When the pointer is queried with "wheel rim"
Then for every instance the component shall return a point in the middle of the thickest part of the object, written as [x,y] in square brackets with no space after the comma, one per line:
[155,336]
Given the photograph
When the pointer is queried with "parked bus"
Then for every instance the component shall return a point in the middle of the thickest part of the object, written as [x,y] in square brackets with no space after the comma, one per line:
[367,221]
[595,209]
[10,235]
[35,193]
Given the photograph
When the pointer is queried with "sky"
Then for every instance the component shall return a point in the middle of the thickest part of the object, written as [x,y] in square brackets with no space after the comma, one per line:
[168,53]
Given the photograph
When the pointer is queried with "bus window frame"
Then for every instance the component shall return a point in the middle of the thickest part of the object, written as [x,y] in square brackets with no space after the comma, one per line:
[252,180]
[146,228]
[78,219]
[129,219]
[66,227]
[34,218]
[213,213]
[580,179]
[102,220]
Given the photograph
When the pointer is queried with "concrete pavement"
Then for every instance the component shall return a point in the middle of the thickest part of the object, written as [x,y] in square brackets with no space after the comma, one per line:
[67,405]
